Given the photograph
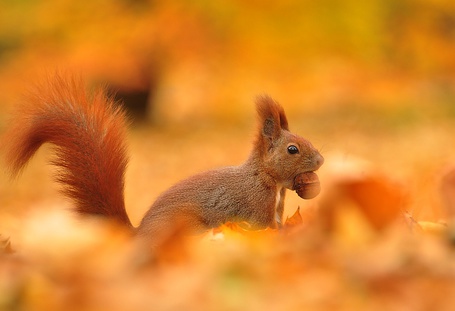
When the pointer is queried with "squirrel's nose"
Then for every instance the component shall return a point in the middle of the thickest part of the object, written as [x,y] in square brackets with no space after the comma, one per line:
[318,160]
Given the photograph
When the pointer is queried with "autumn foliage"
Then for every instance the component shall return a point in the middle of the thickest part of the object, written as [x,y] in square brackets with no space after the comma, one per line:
[358,249]
[370,83]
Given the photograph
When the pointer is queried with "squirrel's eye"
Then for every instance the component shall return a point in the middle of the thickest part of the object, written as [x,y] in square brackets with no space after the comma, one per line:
[293,149]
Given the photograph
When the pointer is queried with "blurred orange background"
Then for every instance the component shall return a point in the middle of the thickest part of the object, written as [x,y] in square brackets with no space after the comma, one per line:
[370,83]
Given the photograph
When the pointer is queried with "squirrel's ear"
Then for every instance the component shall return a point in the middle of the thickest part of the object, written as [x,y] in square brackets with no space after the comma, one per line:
[272,118]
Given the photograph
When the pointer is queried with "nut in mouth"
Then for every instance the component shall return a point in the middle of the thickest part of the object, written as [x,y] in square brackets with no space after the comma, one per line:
[307,185]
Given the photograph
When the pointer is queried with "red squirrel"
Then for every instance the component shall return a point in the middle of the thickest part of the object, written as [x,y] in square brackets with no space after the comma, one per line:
[88,131]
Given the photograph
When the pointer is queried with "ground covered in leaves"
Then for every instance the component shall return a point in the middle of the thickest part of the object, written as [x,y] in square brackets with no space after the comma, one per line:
[63,265]
[374,239]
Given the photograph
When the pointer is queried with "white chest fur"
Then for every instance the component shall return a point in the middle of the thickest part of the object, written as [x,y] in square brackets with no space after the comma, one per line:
[277,203]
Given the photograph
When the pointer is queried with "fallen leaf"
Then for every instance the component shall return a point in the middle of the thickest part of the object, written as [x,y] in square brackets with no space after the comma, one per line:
[380,199]
[5,246]
[294,221]
[433,227]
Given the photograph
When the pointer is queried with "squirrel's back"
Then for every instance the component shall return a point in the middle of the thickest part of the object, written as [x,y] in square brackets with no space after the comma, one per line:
[88,134]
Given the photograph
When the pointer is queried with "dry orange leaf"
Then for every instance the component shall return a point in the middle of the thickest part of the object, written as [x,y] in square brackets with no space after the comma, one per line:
[435,228]
[294,221]
[242,229]
[378,198]
[5,246]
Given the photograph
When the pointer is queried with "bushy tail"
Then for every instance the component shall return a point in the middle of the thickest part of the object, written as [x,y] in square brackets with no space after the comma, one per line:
[88,133]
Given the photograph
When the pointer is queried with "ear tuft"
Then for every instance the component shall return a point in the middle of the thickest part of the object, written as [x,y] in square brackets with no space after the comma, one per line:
[272,118]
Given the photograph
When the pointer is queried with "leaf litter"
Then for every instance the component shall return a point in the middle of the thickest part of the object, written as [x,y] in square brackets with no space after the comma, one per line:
[356,247]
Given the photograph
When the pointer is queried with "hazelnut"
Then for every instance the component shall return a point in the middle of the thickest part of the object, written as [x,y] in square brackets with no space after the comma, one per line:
[307,185]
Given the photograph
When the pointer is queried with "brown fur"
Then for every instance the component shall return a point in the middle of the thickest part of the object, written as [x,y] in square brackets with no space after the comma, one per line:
[88,135]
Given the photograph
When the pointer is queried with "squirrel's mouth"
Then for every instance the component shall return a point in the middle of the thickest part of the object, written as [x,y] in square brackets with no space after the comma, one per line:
[307,185]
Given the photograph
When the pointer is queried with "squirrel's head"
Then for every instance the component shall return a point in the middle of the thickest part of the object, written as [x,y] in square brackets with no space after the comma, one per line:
[284,155]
